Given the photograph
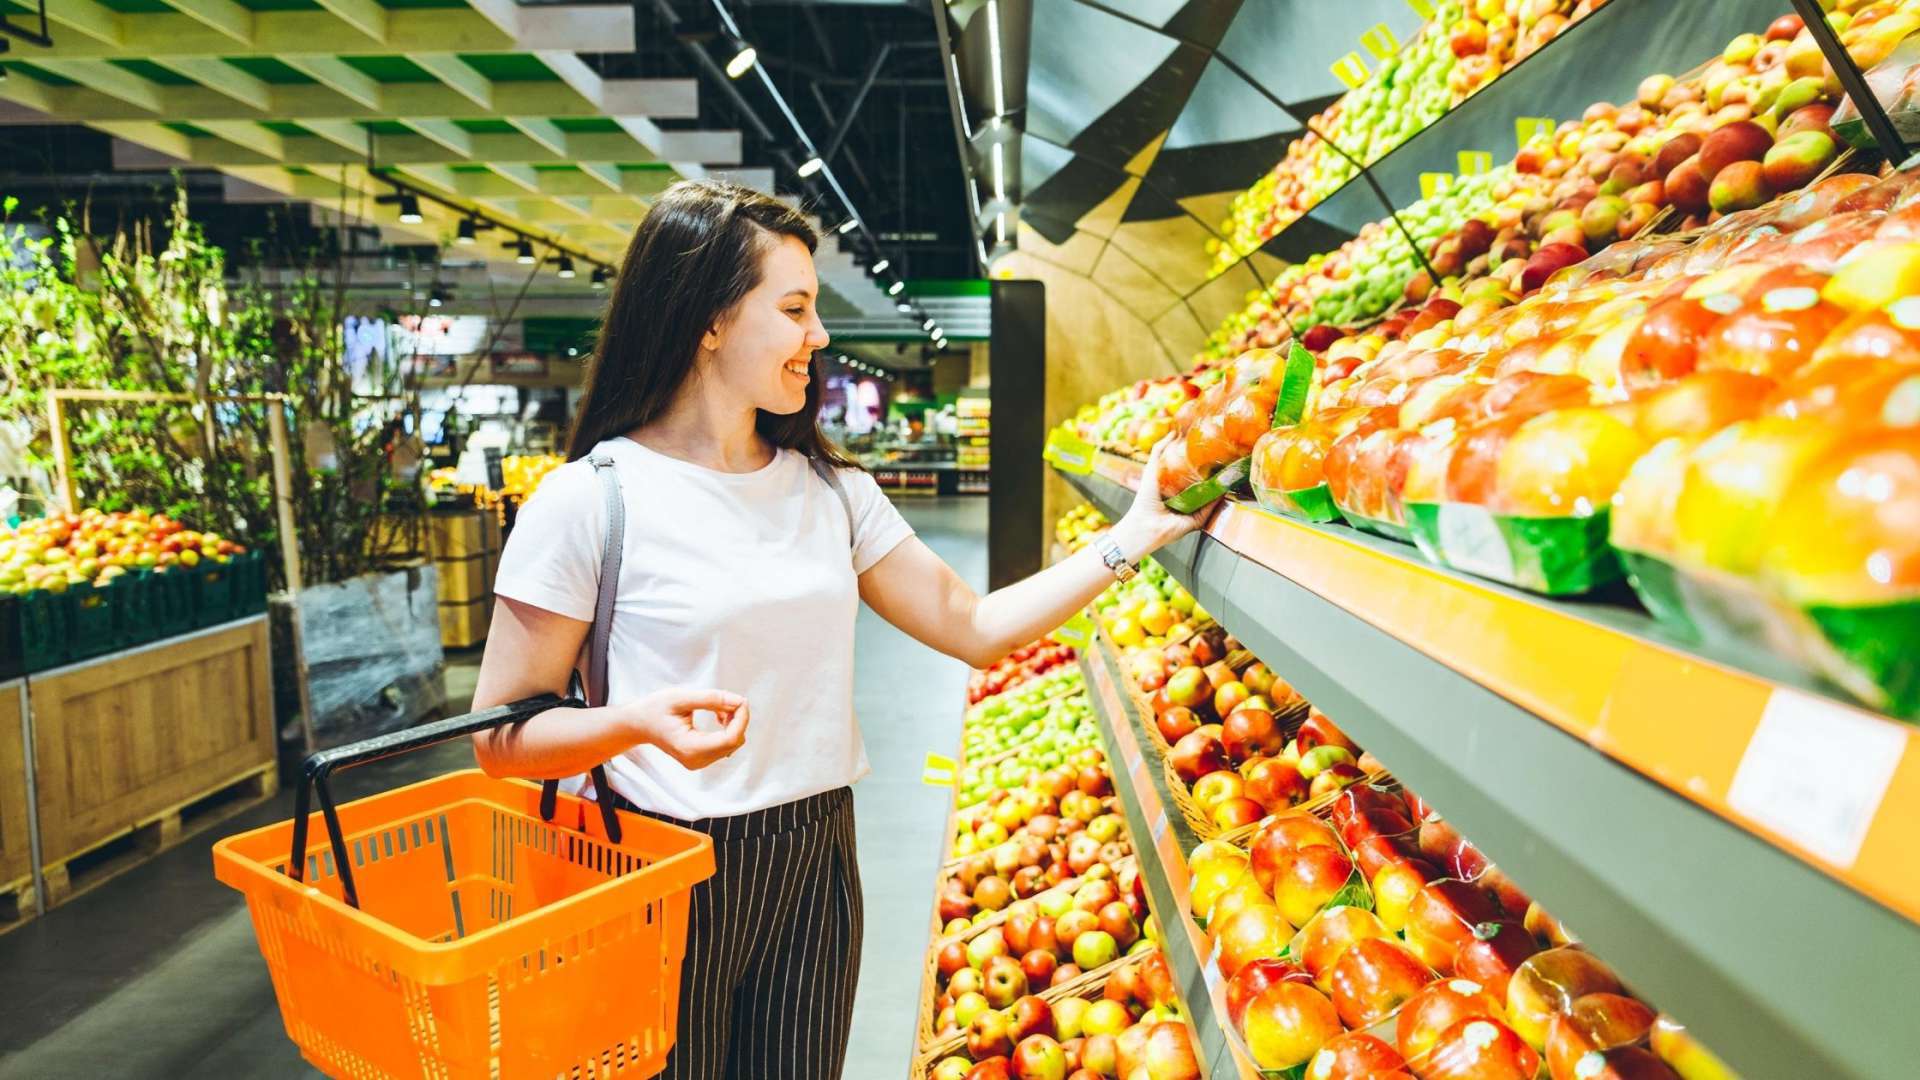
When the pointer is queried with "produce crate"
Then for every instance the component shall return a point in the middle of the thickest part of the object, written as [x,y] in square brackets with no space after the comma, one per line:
[248,571]
[463,535]
[170,597]
[99,618]
[46,630]
[12,661]
[16,857]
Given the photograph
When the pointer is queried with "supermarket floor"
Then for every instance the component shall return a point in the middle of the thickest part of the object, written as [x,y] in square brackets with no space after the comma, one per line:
[155,973]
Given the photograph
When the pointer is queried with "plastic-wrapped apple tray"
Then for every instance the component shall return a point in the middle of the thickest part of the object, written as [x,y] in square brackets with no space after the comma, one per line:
[1556,556]
[1290,404]
[1872,651]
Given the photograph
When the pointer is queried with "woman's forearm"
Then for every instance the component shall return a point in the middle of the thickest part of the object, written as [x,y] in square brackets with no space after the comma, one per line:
[556,743]
[1008,618]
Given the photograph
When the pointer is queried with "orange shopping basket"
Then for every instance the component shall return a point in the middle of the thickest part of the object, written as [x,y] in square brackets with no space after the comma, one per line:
[449,929]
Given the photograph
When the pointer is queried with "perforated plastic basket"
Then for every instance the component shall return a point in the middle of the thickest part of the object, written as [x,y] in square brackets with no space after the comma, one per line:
[486,941]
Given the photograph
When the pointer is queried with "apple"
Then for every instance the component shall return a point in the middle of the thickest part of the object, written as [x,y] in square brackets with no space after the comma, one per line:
[1094,949]
[1549,983]
[1495,953]
[1373,978]
[1310,880]
[1287,1023]
[1116,918]
[1334,777]
[1318,759]
[1255,976]
[1039,1057]
[1329,935]
[1281,835]
[1238,813]
[1275,784]
[993,1068]
[951,1068]
[990,943]
[1354,1056]
[1188,687]
[1065,974]
[1250,731]
[1003,981]
[1435,1009]
[1030,1015]
[1176,723]
[990,1035]
[967,1007]
[1442,920]
[1106,827]
[1479,1048]
[1253,933]
[1104,1017]
[1395,886]
[1170,1052]
[1229,697]
[1678,1048]
[1198,754]
[1217,787]
[1260,679]
[1038,965]
[1594,1022]
[952,959]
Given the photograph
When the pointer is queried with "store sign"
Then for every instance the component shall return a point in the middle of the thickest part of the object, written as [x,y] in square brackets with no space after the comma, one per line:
[439,335]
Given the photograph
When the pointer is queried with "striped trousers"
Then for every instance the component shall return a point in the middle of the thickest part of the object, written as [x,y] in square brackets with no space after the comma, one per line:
[773,945]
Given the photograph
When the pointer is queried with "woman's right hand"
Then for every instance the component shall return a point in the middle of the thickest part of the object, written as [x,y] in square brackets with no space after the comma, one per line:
[665,719]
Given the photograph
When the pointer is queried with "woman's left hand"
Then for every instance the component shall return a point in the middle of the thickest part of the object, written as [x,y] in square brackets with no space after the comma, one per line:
[1148,525]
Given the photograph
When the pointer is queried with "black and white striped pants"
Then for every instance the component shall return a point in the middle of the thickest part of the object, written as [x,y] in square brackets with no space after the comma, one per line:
[773,945]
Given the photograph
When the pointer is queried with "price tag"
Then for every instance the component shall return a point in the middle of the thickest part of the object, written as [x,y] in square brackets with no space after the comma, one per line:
[1068,452]
[1159,826]
[1379,41]
[1351,70]
[939,770]
[1815,772]
[1474,162]
[1528,128]
[1472,541]
[1210,975]
[1435,183]
[1076,631]
[1422,8]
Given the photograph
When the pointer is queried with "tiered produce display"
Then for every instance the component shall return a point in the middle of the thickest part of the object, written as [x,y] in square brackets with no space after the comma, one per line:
[1354,932]
[1043,960]
[1463,46]
[1657,380]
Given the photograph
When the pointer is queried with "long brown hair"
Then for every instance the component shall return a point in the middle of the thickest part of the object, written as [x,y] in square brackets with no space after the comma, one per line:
[694,257]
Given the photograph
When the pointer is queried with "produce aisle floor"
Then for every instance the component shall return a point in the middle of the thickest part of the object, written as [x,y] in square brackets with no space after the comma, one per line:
[155,974]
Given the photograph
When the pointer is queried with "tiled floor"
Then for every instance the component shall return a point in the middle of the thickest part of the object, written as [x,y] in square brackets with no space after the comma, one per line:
[155,974]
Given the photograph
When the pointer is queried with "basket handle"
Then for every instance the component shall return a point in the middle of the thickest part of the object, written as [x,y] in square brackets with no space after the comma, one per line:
[320,766]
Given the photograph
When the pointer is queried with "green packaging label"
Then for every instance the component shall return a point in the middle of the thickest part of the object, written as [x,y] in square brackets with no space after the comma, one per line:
[1557,556]
[1308,504]
[1216,487]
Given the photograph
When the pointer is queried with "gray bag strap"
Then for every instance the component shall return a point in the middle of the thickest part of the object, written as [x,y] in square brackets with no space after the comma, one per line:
[832,476]
[600,637]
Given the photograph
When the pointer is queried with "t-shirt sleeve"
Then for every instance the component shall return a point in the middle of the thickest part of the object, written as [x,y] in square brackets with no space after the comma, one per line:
[878,527]
[552,557]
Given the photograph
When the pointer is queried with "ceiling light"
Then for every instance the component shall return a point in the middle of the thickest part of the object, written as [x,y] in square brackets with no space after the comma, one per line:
[904,307]
[999,171]
[810,166]
[847,226]
[523,252]
[881,266]
[467,232]
[927,325]
[572,351]
[410,210]
[600,276]
[742,62]
[993,55]
[1000,226]
[566,266]
[436,298]
[894,289]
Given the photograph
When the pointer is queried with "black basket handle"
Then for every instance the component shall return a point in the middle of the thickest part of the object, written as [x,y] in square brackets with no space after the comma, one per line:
[320,766]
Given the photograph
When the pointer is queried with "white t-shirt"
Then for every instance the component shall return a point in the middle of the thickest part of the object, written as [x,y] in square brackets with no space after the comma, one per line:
[732,581]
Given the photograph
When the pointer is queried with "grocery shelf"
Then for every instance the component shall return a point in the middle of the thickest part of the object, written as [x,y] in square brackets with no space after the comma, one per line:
[1602,57]
[1735,906]
[1142,787]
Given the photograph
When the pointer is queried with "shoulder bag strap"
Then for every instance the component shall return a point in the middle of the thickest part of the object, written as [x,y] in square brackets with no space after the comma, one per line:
[832,476]
[600,637]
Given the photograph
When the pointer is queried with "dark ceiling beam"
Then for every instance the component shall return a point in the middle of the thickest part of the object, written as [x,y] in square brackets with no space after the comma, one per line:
[819,34]
[853,107]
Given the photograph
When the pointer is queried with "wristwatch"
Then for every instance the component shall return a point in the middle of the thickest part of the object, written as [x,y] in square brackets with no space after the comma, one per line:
[1115,559]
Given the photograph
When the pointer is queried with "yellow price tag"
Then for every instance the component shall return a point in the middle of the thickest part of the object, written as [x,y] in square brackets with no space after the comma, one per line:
[1474,162]
[1422,8]
[1068,452]
[1076,632]
[937,778]
[1351,70]
[1528,128]
[941,762]
[1435,183]
[1379,41]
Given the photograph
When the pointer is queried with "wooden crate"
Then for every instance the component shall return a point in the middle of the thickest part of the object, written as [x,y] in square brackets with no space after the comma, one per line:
[463,535]
[463,626]
[132,745]
[16,854]
[463,581]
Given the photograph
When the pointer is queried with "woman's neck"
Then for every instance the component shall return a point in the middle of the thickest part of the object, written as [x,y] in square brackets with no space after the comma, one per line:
[702,428]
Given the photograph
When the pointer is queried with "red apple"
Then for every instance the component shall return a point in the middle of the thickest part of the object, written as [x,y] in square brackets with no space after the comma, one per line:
[1039,966]
[1030,1015]
[1436,1009]
[1310,880]
[1495,953]
[1317,730]
[1479,1049]
[1594,1022]
[1169,1053]
[1355,1056]
[1255,976]
[1039,1057]
[1275,784]
[1250,731]
[1198,754]
[1116,918]
[1252,933]
[1176,723]
[993,1068]
[1003,981]
[1442,920]
[990,1035]
[1549,983]
[1373,978]
[1287,1023]
[1329,935]
[1188,687]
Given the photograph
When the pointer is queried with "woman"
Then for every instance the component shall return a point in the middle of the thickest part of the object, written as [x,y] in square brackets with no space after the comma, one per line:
[749,542]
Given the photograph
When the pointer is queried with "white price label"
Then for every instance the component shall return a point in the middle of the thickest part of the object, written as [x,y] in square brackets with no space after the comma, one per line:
[1815,772]
[1472,541]
[1210,974]
[1159,826]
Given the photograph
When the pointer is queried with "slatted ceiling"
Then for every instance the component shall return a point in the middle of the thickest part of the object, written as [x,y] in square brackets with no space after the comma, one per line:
[37,73]
[282,127]
[509,67]
[270,70]
[187,129]
[486,127]
[390,69]
[386,127]
[583,125]
[152,72]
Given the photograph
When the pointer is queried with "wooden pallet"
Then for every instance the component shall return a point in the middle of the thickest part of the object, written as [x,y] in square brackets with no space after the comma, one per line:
[16,903]
[101,862]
